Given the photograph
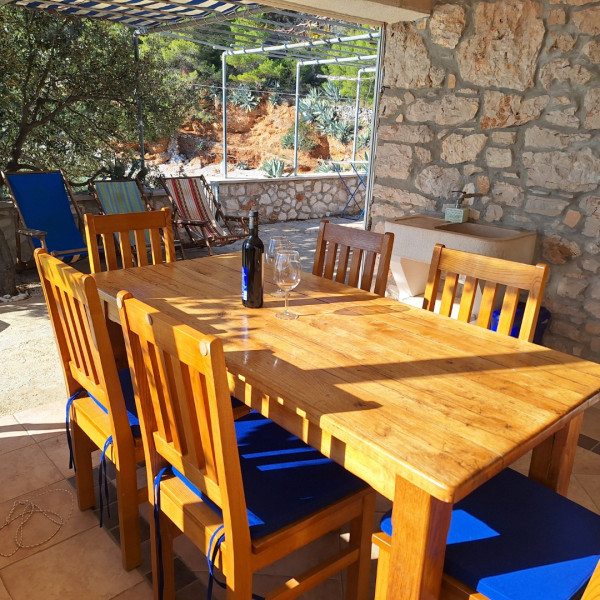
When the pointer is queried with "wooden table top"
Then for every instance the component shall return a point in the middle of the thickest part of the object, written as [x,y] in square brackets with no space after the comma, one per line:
[383,388]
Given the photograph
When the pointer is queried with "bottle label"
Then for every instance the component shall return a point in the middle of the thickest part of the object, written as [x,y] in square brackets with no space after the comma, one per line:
[245,284]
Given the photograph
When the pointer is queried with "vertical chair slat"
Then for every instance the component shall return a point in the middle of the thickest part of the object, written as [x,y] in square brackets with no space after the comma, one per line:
[368,270]
[330,261]
[488,301]
[355,265]
[343,258]
[448,294]
[508,310]
[467,299]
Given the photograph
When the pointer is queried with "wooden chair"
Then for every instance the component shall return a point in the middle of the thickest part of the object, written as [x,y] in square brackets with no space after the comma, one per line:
[495,275]
[196,210]
[362,249]
[102,406]
[123,235]
[42,201]
[248,487]
[511,539]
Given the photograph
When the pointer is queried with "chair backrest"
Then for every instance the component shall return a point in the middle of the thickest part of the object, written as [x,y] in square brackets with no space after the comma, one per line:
[186,415]
[119,196]
[126,236]
[82,337]
[359,253]
[496,276]
[42,201]
[191,200]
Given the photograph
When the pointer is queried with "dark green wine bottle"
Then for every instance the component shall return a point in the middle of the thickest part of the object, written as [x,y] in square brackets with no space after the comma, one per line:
[252,266]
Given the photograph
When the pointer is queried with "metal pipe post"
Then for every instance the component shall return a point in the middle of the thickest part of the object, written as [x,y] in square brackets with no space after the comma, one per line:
[224,112]
[138,96]
[298,65]
[356,109]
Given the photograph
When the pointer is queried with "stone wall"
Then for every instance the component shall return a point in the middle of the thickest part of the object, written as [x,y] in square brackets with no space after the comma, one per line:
[502,98]
[290,198]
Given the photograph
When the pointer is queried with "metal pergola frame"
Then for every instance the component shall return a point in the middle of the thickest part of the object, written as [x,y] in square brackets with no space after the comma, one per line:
[322,48]
[270,31]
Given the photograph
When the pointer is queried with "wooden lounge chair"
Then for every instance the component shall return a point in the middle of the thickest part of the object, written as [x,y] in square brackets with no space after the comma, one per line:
[246,492]
[495,275]
[101,404]
[43,203]
[196,210]
[350,255]
[123,235]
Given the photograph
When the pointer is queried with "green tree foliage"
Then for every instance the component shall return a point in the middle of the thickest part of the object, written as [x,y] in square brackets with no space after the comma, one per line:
[345,74]
[67,92]
[193,63]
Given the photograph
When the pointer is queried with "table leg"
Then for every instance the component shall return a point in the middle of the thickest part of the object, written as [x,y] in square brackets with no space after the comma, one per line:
[420,527]
[552,461]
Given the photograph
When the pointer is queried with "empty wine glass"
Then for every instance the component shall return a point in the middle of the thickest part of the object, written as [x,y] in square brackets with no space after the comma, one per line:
[277,242]
[288,272]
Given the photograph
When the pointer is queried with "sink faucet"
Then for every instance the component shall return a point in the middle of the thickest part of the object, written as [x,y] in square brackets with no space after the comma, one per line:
[463,196]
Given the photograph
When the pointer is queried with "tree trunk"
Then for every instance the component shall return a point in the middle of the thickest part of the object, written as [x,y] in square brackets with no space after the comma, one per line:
[7,269]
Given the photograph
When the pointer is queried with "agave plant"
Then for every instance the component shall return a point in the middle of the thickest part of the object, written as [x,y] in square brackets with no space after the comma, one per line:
[332,92]
[273,167]
[324,166]
[342,131]
[363,139]
[243,98]
[305,142]
[275,97]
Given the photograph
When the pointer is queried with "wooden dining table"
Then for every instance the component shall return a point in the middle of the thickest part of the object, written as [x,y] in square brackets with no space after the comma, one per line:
[422,407]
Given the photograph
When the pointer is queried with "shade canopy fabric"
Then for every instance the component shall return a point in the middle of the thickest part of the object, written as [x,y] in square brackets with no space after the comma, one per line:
[140,14]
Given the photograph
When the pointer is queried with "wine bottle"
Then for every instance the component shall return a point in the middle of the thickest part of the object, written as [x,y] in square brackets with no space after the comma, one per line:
[252,266]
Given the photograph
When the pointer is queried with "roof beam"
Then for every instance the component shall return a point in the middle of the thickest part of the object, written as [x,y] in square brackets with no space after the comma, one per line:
[373,12]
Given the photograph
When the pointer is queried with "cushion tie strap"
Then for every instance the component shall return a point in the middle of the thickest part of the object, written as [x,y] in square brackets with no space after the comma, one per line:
[68,428]
[210,559]
[159,561]
[103,479]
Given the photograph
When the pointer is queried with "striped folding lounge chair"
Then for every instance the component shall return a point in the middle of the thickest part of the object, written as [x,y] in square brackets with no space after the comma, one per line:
[198,212]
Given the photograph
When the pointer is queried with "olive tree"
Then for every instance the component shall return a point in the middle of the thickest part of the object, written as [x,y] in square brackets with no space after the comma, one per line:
[67,93]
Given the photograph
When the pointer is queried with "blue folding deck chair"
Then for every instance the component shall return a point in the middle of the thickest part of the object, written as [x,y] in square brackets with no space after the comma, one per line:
[43,207]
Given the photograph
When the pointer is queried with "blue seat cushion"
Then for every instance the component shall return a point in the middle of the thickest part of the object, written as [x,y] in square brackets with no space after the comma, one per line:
[284,478]
[129,397]
[514,539]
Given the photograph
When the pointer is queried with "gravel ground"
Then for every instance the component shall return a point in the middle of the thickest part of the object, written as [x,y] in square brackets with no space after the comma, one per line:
[30,372]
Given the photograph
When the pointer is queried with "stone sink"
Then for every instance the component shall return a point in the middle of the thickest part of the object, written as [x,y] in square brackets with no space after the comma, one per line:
[415,237]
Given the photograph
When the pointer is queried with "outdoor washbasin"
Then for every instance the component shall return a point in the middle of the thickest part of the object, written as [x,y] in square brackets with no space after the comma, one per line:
[482,231]
[415,237]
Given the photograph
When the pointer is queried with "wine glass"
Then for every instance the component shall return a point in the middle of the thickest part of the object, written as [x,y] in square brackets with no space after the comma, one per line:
[288,272]
[277,242]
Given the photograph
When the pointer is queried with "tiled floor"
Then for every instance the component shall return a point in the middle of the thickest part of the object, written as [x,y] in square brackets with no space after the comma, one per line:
[82,560]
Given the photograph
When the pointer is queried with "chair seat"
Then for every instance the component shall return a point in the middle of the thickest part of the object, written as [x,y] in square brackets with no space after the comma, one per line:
[129,397]
[514,539]
[284,479]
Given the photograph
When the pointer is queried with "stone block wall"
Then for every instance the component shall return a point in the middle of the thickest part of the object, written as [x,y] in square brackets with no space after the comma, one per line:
[502,98]
[290,198]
